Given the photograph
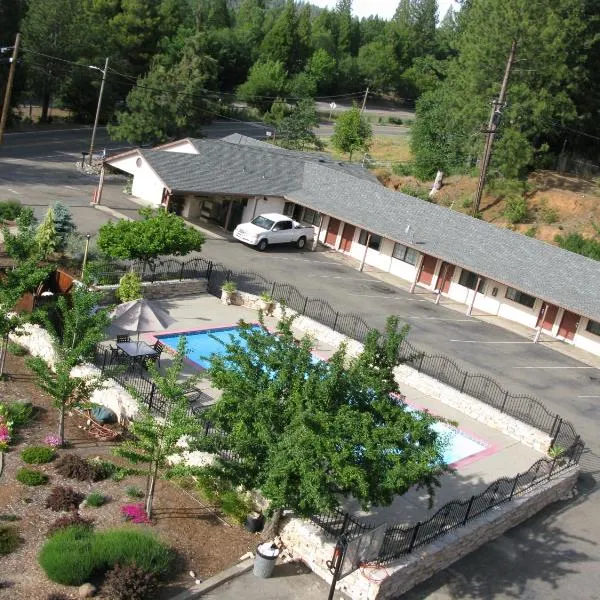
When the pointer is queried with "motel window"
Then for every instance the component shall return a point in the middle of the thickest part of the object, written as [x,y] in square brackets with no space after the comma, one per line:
[593,327]
[405,254]
[311,216]
[374,242]
[468,279]
[288,209]
[520,297]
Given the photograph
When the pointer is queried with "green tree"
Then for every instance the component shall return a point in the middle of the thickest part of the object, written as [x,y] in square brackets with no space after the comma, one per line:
[157,233]
[321,67]
[352,132]
[63,223]
[378,65]
[46,236]
[266,81]
[169,101]
[575,242]
[25,277]
[541,94]
[281,41]
[51,28]
[249,21]
[80,329]
[309,434]
[155,439]
[212,14]
[295,131]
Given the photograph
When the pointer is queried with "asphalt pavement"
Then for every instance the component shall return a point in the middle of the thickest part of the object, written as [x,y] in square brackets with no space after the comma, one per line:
[555,554]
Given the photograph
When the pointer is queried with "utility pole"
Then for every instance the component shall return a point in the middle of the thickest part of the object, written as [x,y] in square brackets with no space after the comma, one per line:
[364,104]
[98,107]
[492,128]
[9,85]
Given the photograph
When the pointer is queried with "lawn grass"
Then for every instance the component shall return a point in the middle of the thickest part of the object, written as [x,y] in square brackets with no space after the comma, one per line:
[384,148]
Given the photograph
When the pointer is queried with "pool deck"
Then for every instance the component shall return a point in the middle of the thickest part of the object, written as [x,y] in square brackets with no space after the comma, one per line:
[505,457]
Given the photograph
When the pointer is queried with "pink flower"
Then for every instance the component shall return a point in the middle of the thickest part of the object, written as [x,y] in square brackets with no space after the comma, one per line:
[52,440]
[136,513]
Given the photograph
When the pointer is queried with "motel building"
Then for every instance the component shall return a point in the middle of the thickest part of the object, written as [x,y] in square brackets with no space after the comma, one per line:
[489,269]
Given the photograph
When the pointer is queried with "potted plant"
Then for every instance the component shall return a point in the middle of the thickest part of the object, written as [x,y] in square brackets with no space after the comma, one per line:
[228,290]
[267,304]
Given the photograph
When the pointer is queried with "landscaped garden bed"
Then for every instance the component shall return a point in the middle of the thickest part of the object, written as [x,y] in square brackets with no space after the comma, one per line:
[197,534]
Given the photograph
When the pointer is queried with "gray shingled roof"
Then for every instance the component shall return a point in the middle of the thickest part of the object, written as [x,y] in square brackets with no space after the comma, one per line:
[343,191]
[529,265]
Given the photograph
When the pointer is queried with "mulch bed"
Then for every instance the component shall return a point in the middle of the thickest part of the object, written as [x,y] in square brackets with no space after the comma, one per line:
[203,543]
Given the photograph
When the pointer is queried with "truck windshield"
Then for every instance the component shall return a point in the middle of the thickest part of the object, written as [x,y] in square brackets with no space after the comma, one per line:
[262,222]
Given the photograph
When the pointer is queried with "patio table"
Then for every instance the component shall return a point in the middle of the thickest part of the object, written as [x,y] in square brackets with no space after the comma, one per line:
[137,349]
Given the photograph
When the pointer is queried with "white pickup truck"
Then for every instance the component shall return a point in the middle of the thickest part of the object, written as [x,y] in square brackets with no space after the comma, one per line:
[272,228]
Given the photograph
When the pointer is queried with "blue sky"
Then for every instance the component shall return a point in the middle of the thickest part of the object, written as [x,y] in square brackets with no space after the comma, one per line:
[382,8]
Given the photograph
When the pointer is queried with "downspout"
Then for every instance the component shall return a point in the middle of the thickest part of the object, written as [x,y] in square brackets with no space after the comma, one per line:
[474,296]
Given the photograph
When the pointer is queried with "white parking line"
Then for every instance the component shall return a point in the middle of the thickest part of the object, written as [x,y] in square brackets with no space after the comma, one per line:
[588,396]
[472,321]
[481,342]
[13,191]
[551,367]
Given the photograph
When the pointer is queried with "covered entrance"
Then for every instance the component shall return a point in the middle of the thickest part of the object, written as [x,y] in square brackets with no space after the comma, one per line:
[568,325]
[547,316]
[427,270]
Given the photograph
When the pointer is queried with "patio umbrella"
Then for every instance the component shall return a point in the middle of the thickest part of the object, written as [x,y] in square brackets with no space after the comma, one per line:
[140,316]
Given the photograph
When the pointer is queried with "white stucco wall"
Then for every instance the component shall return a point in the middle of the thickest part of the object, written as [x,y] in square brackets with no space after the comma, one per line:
[586,340]
[147,185]
[259,205]
[127,163]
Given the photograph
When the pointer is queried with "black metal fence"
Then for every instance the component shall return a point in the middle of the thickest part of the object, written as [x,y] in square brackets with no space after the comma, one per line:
[168,269]
[400,540]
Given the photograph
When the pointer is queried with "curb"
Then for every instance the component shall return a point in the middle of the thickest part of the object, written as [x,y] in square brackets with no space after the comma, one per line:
[219,579]
[110,211]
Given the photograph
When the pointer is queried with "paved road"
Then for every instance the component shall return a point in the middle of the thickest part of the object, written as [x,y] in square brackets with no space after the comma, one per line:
[555,555]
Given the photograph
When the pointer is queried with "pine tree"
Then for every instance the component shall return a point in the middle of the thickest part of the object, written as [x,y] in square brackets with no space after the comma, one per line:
[63,224]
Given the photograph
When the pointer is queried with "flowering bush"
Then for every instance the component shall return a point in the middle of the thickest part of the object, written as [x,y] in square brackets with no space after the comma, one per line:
[136,513]
[5,434]
[52,440]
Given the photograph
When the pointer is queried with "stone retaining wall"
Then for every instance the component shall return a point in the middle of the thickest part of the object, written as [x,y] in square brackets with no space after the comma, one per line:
[159,289]
[307,541]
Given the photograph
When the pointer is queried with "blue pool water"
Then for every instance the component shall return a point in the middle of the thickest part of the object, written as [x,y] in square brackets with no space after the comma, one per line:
[202,344]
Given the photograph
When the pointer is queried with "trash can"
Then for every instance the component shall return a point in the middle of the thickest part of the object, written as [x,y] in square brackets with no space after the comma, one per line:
[255,522]
[264,562]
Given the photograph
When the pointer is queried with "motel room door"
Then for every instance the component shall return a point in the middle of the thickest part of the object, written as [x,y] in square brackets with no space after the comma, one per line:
[546,321]
[444,278]
[347,237]
[568,325]
[427,269]
[332,230]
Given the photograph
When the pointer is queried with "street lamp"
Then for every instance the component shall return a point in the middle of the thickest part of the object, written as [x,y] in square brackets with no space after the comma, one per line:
[103,71]
[85,253]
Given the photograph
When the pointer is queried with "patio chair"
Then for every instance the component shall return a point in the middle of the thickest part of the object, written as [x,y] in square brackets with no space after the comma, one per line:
[115,354]
[123,338]
[158,348]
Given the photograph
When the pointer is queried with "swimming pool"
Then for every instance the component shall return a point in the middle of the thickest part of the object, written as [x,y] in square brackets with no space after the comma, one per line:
[461,448]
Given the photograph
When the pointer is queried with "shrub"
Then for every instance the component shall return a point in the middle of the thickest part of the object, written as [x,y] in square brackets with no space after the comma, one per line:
[31,477]
[134,492]
[130,287]
[136,513]
[9,539]
[73,555]
[516,210]
[548,214]
[9,517]
[403,169]
[70,520]
[235,505]
[63,498]
[129,582]
[38,455]
[95,499]
[395,120]
[415,192]
[20,413]
[73,466]
[16,349]
[10,210]
[531,232]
